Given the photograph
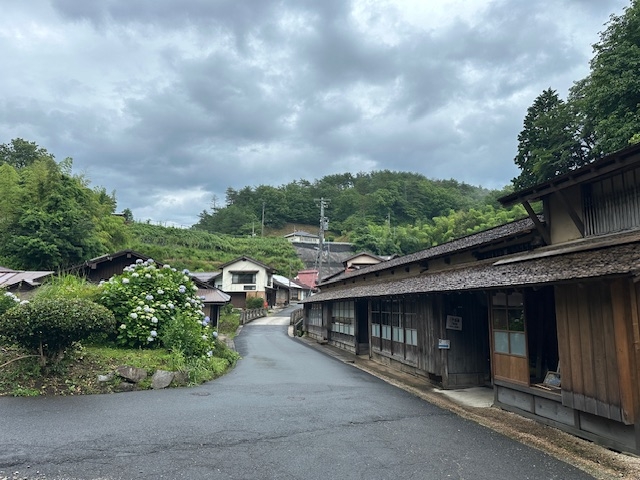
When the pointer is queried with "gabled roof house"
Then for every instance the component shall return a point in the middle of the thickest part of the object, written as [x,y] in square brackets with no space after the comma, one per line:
[246,277]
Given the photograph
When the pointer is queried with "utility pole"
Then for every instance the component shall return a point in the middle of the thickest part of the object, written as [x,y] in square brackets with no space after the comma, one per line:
[262,233]
[324,225]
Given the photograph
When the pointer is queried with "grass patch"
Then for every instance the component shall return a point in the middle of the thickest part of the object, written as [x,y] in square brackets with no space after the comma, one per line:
[229,321]
[77,373]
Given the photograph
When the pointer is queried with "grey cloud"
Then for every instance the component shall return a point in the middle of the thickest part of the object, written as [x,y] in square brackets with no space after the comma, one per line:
[170,102]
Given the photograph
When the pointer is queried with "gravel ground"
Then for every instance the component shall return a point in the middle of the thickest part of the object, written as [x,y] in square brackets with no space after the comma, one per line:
[600,462]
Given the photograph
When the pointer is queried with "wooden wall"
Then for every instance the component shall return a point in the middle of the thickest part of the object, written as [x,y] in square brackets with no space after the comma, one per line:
[595,338]
[468,358]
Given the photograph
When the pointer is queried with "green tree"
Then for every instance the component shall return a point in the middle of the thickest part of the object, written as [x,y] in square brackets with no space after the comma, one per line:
[608,99]
[547,144]
[53,224]
[19,153]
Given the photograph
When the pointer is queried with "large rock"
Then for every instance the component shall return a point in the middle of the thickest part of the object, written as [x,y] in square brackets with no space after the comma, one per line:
[162,379]
[125,387]
[105,378]
[132,374]
[180,379]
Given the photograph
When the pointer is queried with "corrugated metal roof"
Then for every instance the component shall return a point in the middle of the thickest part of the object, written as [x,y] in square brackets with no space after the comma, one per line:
[12,278]
[287,282]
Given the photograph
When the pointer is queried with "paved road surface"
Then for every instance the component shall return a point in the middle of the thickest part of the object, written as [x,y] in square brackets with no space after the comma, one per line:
[286,412]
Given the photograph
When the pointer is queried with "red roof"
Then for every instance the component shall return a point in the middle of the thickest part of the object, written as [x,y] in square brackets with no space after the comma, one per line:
[308,278]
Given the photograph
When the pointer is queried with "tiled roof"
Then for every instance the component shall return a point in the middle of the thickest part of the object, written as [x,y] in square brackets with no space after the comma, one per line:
[213,295]
[205,276]
[461,244]
[531,270]
[248,259]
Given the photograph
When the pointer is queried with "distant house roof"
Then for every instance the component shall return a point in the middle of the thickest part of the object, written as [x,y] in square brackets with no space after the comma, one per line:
[11,278]
[307,278]
[602,257]
[109,257]
[213,296]
[287,282]
[301,233]
[205,277]
[248,259]
[366,254]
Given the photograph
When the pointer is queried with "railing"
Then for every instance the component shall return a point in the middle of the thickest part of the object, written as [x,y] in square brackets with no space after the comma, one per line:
[296,315]
[247,315]
[297,320]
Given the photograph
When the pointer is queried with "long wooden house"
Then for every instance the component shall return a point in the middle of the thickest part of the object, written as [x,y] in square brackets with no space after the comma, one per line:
[544,310]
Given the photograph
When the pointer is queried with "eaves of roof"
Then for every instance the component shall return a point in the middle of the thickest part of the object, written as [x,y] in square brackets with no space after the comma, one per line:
[523,271]
[248,259]
[610,163]
[213,295]
[455,246]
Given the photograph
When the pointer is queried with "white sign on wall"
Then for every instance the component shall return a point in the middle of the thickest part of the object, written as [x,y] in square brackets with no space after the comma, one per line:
[454,323]
[444,344]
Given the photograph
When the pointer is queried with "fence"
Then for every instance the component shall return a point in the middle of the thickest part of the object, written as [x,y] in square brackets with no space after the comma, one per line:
[247,315]
[297,319]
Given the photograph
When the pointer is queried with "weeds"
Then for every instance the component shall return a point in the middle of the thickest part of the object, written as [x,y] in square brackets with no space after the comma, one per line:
[77,373]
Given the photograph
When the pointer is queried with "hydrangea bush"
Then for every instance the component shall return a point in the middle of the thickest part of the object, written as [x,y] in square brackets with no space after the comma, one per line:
[158,306]
[7,300]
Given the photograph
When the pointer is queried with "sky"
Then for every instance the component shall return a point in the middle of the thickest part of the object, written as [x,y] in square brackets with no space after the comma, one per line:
[169,103]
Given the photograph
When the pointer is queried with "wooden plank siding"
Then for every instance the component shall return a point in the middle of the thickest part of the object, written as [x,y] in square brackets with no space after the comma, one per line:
[468,357]
[594,332]
[429,331]
[622,318]
[511,369]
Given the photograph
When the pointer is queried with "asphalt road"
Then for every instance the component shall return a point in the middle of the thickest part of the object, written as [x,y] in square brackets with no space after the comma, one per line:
[285,412]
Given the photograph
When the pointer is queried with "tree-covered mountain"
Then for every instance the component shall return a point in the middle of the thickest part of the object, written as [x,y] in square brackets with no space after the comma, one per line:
[355,202]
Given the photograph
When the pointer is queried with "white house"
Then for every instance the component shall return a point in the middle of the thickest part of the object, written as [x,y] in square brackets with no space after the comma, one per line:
[243,278]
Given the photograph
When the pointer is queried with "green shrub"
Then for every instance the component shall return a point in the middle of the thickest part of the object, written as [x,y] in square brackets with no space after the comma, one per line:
[67,286]
[229,321]
[49,327]
[153,304]
[255,302]
[182,334]
[7,301]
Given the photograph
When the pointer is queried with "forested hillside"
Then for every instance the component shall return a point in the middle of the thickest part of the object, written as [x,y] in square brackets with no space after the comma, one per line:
[383,212]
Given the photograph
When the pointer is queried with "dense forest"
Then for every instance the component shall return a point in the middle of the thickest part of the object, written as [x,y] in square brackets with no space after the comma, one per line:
[383,212]
[51,219]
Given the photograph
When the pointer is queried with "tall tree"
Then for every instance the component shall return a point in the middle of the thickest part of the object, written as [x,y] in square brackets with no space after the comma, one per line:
[608,99]
[20,153]
[548,143]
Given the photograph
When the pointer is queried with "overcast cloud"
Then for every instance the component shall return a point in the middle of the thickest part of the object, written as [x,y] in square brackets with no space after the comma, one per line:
[170,102]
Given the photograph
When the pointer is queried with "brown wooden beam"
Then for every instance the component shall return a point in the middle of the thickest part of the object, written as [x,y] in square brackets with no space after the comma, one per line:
[543,230]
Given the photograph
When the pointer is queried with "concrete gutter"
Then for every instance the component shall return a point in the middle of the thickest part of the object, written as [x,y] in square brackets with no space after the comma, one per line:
[476,397]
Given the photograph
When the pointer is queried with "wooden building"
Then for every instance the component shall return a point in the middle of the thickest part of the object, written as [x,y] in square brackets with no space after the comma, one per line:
[545,310]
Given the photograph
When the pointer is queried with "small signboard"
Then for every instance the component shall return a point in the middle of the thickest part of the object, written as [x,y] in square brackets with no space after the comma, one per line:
[444,344]
[454,323]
